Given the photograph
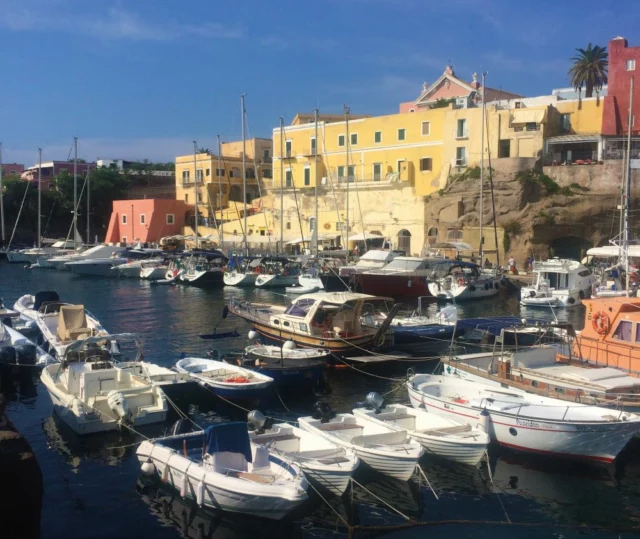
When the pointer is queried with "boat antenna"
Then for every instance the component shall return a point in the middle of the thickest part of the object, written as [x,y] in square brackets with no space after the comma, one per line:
[281,184]
[244,176]
[39,198]
[481,248]
[2,230]
[347,110]
[195,189]
[627,208]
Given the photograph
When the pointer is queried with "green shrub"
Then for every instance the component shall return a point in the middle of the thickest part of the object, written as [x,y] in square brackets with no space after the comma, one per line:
[512,228]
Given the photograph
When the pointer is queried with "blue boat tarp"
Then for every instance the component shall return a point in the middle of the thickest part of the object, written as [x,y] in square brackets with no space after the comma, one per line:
[232,437]
[491,325]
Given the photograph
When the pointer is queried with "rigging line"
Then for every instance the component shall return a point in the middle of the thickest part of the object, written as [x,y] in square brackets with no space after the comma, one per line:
[74,221]
[235,202]
[295,197]
[19,214]
[355,184]
[46,226]
[493,201]
[333,193]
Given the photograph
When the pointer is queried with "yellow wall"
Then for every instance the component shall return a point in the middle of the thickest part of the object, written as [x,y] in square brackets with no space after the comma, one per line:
[586,115]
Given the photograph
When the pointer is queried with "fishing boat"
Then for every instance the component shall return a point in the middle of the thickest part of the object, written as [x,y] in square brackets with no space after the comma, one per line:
[463,281]
[524,422]
[558,283]
[386,450]
[328,320]
[221,469]
[90,394]
[203,268]
[444,437]
[288,366]
[225,379]
[96,252]
[61,324]
[321,461]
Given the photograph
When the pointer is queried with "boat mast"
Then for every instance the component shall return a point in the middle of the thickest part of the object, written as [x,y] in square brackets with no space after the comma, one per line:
[244,179]
[346,240]
[481,248]
[39,198]
[195,189]
[220,195]
[88,204]
[2,232]
[315,190]
[75,191]
[627,205]
[281,184]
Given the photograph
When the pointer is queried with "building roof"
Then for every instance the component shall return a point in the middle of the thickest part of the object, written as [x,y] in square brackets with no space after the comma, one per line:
[309,117]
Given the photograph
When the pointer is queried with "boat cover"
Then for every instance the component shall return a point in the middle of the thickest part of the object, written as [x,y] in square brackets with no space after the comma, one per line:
[491,325]
[232,437]
[45,296]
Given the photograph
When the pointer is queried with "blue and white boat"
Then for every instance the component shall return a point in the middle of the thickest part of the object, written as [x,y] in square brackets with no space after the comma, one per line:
[225,379]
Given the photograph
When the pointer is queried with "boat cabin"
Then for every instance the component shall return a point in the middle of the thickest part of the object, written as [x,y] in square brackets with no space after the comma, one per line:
[409,264]
[559,274]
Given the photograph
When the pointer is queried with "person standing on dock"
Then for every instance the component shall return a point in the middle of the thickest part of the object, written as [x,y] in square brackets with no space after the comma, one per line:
[512,265]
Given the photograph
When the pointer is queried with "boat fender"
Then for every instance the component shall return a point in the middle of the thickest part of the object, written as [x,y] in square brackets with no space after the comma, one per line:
[225,312]
[581,294]
[252,335]
[601,323]
[289,345]
[497,286]
[184,485]
[165,473]
[148,467]
[483,421]
[200,494]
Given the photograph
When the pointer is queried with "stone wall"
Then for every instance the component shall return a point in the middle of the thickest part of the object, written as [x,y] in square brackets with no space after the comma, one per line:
[606,177]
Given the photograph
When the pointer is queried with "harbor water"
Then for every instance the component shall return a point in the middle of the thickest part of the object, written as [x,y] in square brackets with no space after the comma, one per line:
[93,488]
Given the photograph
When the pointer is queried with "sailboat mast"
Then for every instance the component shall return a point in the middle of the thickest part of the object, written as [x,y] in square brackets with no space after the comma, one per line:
[75,191]
[627,205]
[220,195]
[88,204]
[346,240]
[481,248]
[39,198]
[315,190]
[2,231]
[281,184]
[195,189]
[244,178]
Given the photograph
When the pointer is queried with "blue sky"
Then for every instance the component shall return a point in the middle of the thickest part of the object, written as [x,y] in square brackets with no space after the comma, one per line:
[143,78]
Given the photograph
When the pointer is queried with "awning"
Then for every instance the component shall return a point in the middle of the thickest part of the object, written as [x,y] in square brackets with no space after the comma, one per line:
[299,240]
[526,116]
[611,251]
[457,245]
[574,139]
[362,236]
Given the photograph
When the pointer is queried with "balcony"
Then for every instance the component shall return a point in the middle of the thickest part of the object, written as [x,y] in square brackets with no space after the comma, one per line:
[309,153]
[462,134]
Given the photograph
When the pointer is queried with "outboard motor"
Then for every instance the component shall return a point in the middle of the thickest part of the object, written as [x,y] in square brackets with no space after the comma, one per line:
[7,355]
[26,354]
[323,412]
[182,426]
[258,422]
[448,313]
[374,401]
[118,405]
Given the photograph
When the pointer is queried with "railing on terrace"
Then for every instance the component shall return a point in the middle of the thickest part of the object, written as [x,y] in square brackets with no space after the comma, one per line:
[617,154]
[578,158]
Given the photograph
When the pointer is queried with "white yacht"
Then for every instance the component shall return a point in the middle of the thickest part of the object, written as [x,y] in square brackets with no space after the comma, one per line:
[463,280]
[99,251]
[34,254]
[558,283]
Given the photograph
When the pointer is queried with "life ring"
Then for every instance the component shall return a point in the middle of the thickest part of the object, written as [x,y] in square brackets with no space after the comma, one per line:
[461,281]
[601,323]
[327,226]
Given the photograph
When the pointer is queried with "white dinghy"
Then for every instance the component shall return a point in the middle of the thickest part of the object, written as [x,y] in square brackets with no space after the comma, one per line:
[28,305]
[18,350]
[220,469]
[443,437]
[388,451]
[225,379]
[329,465]
[90,394]
[528,422]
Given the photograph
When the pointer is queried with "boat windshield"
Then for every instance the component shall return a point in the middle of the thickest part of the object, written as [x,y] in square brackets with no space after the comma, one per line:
[406,264]
[300,308]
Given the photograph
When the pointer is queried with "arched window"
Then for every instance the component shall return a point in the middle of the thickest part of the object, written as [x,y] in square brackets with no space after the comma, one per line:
[454,234]
[404,241]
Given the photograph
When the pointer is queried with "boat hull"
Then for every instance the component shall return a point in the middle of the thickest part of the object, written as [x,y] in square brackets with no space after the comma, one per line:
[94,269]
[486,289]
[153,274]
[392,285]
[557,298]
[334,283]
[240,279]
[202,278]
[413,334]
[583,441]
[276,281]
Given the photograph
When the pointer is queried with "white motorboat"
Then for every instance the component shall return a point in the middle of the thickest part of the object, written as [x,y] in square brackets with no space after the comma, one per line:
[307,284]
[329,465]
[386,450]
[462,281]
[224,379]
[526,422]
[90,394]
[133,268]
[558,283]
[219,468]
[61,324]
[444,437]
[17,350]
[28,305]
[153,271]
[98,251]
[96,267]
[34,254]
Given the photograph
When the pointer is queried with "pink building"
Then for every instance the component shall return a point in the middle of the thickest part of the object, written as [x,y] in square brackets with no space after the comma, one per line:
[10,169]
[145,220]
[448,86]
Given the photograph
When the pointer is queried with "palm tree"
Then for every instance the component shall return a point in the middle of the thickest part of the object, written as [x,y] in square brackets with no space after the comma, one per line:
[589,69]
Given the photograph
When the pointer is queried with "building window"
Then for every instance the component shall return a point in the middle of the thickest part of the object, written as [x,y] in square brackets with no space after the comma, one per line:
[199,175]
[341,226]
[185,176]
[461,157]
[124,219]
[208,173]
[266,173]
[454,234]
[461,131]
[170,218]
[425,164]
[266,154]
[219,172]
[251,173]
[186,198]
[504,148]
[518,104]
[123,239]
[288,147]
[341,140]
[288,225]
[426,129]
[313,145]
[531,126]
[623,331]
[288,178]
[354,139]
[565,122]
[340,172]
[402,133]
[377,171]
[312,224]
[351,173]
[307,176]
[631,65]
[199,196]
[377,137]
[142,219]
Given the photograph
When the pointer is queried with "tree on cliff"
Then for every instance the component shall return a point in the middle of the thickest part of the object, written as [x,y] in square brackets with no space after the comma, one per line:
[589,69]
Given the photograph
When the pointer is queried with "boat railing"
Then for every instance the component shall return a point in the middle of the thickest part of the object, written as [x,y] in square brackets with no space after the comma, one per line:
[582,407]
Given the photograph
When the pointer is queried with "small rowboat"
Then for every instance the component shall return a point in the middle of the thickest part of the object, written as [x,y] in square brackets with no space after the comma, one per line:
[224,379]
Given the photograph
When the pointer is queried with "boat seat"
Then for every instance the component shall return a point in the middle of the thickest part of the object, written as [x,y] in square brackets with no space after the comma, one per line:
[256,478]
[320,453]
[339,426]
[391,416]
[440,431]
[227,461]
[385,438]
[261,459]
[279,438]
[70,319]
[94,383]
